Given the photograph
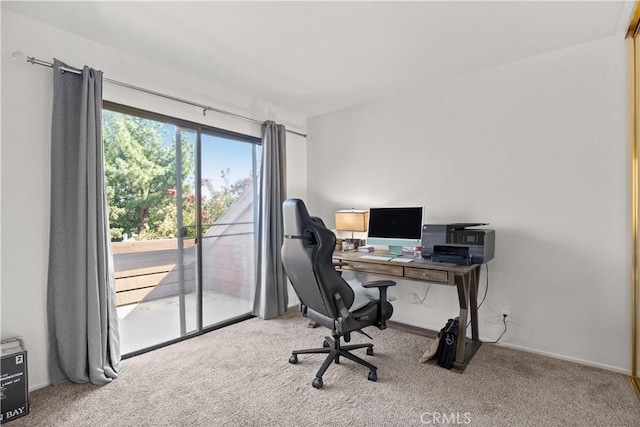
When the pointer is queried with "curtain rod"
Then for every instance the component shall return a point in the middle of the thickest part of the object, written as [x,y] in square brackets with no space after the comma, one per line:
[205,108]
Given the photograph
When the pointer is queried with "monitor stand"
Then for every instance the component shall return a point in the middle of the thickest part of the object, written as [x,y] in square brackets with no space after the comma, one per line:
[395,250]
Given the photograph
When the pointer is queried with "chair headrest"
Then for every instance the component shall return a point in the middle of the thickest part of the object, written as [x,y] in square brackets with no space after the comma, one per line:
[296,217]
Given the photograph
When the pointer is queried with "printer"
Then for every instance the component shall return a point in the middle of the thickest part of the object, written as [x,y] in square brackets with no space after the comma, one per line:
[458,243]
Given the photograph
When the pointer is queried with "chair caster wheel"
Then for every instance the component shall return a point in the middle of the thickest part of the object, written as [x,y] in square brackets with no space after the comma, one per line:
[317,382]
[373,376]
[293,359]
[369,351]
[337,360]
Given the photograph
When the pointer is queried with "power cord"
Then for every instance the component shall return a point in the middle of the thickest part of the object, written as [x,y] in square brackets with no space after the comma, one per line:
[504,320]
[415,299]
[486,289]
[504,316]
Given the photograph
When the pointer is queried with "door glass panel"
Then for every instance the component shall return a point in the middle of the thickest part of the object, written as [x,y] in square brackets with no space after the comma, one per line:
[150,177]
[229,200]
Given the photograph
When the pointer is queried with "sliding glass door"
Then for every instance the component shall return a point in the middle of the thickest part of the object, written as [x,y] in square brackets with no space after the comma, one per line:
[182,207]
[229,207]
[150,173]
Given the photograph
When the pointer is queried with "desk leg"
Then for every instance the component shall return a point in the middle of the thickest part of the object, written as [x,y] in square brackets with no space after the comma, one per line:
[473,303]
[468,297]
[462,284]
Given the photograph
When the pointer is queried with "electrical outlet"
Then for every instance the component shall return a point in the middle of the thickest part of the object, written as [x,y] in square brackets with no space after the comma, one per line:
[506,315]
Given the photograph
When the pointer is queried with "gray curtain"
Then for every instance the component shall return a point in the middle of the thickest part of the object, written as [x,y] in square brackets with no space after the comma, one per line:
[83,323]
[271,287]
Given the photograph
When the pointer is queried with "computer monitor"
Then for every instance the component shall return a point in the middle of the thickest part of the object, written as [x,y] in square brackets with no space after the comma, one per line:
[395,227]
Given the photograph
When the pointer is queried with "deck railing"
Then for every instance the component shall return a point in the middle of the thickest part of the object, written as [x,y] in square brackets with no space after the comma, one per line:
[148,269]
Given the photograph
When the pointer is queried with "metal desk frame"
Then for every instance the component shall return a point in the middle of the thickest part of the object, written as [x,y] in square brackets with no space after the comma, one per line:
[464,278]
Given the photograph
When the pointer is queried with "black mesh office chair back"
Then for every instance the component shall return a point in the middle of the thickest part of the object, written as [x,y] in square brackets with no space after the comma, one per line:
[325,296]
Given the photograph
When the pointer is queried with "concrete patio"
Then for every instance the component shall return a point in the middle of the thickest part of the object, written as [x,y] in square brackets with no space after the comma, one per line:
[152,322]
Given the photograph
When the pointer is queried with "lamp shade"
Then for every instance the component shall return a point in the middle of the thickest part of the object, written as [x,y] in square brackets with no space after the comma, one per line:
[352,220]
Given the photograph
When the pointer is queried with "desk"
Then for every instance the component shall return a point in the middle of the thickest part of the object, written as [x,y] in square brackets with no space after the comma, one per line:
[464,278]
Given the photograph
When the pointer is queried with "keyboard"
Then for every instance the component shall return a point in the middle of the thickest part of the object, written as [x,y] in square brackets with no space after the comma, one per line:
[386,258]
[377,257]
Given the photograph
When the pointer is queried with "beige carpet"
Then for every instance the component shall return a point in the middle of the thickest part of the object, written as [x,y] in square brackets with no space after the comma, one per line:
[240,376]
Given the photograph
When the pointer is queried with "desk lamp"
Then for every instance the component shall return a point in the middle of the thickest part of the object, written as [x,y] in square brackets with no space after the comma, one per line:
[352,220]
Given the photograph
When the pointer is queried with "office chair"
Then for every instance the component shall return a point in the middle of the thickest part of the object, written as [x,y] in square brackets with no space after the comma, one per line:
[336,264]
[325,296]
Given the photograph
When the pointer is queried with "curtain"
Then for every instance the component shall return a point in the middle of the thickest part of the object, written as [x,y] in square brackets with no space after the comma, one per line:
[271,288]
[83,324]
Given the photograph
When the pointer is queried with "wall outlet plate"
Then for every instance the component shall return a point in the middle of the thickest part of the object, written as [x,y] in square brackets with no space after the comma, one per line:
[506,313]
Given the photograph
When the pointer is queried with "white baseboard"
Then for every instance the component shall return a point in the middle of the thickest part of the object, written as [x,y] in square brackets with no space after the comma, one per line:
[567,358]
[540,352]
[34,387]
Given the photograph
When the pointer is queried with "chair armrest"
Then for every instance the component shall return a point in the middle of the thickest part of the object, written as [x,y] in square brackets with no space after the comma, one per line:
[378,283]
[382,286]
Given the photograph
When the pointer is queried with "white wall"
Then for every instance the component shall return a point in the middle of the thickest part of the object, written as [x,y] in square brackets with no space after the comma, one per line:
[26,120]
[537,148]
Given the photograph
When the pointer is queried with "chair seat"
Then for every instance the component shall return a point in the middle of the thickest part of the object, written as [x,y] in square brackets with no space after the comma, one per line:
[362,296]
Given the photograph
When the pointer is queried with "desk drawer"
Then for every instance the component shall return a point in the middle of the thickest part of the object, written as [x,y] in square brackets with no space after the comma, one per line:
[368,267]
[438,276]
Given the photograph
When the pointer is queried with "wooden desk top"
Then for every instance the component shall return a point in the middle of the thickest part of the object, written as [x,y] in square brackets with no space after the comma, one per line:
[419,269]
[416,263]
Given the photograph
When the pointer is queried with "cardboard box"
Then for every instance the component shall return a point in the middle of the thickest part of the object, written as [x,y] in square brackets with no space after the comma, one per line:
[14,386]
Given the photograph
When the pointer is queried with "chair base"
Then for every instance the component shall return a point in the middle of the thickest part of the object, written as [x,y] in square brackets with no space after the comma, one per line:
[334,350]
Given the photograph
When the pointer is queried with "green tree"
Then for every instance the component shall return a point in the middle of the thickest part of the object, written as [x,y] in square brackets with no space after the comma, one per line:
[139,168]
[214,203]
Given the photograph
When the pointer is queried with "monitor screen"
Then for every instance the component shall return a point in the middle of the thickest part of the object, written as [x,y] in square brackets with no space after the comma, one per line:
[395,223]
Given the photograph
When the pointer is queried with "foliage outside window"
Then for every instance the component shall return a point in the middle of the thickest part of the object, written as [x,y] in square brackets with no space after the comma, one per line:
[140,171]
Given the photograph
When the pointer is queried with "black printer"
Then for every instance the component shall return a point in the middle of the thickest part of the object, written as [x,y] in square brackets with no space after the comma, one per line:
[458,243]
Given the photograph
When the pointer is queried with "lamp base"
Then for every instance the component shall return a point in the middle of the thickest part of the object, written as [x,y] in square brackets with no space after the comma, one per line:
[348,245]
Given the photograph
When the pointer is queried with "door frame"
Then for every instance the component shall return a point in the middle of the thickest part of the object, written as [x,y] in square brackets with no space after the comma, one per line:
[199,129]
[633,56]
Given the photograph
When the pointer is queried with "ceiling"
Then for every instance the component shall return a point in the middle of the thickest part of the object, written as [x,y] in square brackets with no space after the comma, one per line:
[317,57]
